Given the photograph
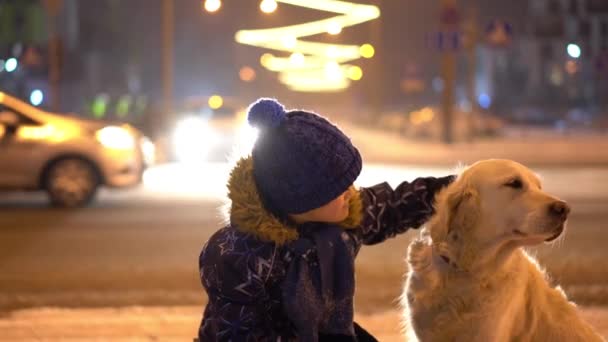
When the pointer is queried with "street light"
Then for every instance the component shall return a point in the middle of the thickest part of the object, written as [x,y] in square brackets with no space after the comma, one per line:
[574,50]
[212,5]
[36,97]
[11,65]
[268,6]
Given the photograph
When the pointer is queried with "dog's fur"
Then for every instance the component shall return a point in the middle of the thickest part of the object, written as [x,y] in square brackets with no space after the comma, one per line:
[470,280]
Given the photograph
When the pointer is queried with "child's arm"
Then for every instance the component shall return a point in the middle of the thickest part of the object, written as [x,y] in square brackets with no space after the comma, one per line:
[238,307]
[388,212]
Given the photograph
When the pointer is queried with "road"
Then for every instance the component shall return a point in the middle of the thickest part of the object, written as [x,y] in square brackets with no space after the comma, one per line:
[141,246]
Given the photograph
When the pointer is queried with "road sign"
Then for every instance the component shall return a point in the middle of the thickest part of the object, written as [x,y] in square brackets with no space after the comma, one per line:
[499,33]
[444,40]
[32,57]
[53,6]
[449,16]
[601,62]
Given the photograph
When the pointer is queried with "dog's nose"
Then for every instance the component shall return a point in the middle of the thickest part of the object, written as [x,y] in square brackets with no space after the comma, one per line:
[559,209]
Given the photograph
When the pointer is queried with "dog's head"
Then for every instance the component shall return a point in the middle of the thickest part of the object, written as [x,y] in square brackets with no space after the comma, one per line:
[497,201]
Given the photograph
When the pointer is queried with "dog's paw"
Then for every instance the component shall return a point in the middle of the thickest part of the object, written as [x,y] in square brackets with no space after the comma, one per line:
[419,255]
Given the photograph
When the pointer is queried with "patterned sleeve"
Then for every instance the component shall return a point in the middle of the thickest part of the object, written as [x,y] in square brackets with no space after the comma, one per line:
[234,272]
[388,212]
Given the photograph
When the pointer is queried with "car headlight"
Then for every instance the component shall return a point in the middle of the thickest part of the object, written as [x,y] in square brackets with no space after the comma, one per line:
[148,150]
[192,139]
[116,138]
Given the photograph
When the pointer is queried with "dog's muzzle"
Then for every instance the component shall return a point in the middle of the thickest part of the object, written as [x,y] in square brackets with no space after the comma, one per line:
[559,211]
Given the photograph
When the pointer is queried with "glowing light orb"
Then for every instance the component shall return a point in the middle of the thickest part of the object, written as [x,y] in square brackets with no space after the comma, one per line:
[268,6]
[212,5]
[216,102]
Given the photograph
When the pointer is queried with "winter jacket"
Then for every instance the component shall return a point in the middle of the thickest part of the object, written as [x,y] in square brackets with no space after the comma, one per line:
[244,266]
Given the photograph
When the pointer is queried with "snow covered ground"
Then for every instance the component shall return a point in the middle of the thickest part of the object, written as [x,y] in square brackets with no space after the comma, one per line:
[561,160]
[167,324]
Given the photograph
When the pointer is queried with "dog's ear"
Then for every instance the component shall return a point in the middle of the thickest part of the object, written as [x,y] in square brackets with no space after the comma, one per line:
[457,208]
[462,209]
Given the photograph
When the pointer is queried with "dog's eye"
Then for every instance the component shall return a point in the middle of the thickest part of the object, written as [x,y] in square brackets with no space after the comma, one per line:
[515,183]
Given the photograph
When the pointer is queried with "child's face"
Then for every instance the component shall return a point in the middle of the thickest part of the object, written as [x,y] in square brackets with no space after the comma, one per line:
[332,212]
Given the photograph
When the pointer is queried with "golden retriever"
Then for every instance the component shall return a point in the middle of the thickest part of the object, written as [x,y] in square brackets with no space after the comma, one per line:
[470,280]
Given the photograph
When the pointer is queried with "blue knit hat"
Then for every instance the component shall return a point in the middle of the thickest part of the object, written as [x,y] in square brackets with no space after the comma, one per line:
[301,161]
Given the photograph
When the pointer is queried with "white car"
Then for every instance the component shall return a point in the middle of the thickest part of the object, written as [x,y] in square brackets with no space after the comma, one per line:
[66,156]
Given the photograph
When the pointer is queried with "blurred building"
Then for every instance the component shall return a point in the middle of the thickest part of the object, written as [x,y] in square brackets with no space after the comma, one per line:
[111,54]
[566,50]
[22,45]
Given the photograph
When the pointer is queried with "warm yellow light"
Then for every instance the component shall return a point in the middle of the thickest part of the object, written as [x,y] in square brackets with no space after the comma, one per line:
[355,73]
[333,52]
[326,61]
[367,51]
[268,6]
[427,114]
[266,59]
[289,42]
[216,102]
[115,137]
[334,28]
[571,67]
[308,81]
[212,5]
[247,74]
[297,59]
[45,132]
[333,70]
[424,115]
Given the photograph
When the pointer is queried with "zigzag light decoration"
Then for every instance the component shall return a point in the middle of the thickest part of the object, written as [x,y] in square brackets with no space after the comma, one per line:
[314,66]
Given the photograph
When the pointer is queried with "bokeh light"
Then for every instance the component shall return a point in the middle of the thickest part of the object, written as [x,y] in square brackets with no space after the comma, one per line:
[247,74]
[268,6]
[325,65]
[334,28]
[573,50]
[297,59]
[484,101]
[216,102]
[367,51]
[11,65]
[212,5]
[355,73]
[36,97]
[266,59]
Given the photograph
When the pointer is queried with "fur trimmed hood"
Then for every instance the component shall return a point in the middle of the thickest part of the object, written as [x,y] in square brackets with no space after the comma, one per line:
[247,213]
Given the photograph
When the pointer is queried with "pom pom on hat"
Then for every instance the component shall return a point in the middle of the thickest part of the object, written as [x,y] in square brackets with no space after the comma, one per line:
[266,113]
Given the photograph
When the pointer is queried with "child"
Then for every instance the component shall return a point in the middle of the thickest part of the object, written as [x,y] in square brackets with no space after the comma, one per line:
[283,268]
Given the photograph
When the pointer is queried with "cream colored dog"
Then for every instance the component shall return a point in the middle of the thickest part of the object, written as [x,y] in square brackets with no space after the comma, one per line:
[469,278]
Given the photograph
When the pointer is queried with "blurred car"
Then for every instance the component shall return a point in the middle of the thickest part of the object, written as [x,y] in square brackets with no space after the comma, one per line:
[203,134]
[425,123]
[532,115]
[66,156]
